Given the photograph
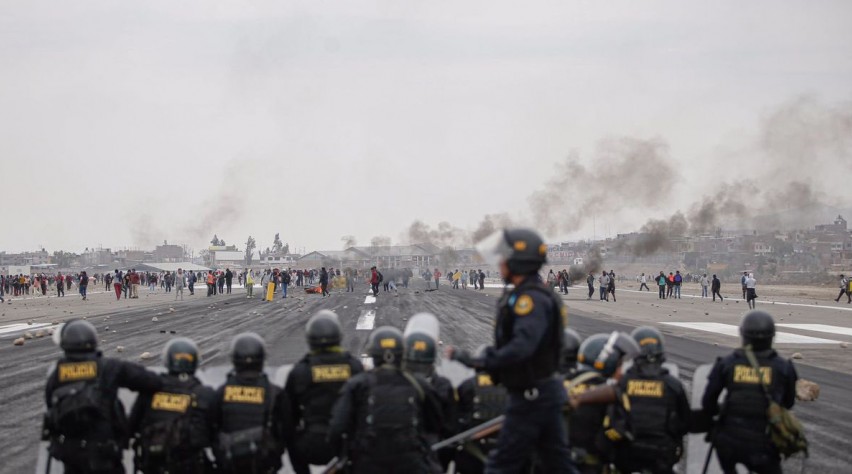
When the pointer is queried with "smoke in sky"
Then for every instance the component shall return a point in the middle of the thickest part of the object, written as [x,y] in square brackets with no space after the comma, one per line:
[800,143]
[624,174]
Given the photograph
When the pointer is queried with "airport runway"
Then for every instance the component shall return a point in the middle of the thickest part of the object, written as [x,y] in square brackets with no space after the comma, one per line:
[466,318]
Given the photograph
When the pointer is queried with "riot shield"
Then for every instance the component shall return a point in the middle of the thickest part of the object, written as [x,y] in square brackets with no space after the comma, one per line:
[697,444]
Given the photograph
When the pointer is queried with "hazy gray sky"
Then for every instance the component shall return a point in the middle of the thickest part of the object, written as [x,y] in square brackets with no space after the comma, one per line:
[127,123]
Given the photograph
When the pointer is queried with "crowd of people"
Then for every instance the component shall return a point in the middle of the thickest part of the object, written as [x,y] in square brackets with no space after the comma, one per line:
[541,399]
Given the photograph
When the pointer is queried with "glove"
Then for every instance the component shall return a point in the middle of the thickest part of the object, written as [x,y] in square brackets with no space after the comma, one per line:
[464,357]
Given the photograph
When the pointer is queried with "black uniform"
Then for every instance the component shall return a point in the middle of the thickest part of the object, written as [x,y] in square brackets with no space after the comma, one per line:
[172,426]
[741,433]
[480,400]
[313,387]
[447,398]
[528,335]
[384,414]
[85,421]
[659,416]
[585,425]
[251,418]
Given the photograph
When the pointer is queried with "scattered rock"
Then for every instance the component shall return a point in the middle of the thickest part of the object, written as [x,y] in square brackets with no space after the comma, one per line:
[171,310]
[40,334]
[146,356]
[706,314]
[716,344]
[28,335]
[806,390]
[106,328]
[797,355]
[119,348]
[50,332]
[155,319]
[844,345]
[19,341]
[30,322]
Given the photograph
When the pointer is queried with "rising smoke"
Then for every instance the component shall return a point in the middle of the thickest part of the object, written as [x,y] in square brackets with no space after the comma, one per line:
[800,143]
[626,172]
[592,263]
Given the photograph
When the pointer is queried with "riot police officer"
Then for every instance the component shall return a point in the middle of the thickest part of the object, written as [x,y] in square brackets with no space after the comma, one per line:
[171,427]
[741,434]
[421,339]
[600,357]
[250,414]
[480,400]
[657,407]
[312,388]
[383,414]
[525,358]
[85,422]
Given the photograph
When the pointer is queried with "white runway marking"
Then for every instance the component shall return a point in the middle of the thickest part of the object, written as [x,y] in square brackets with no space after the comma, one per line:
[820,328]
[366,321]
[21,327]
[731,330]
[370,299]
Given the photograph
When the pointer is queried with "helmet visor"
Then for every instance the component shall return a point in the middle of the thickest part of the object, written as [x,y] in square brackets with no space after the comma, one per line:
[494,248]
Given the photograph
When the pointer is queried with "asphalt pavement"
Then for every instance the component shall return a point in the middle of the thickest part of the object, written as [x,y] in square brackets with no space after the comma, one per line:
[466,320]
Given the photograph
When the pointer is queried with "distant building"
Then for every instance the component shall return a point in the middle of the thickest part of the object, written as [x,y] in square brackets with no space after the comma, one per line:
[168,253]
[839,225]
[228,259]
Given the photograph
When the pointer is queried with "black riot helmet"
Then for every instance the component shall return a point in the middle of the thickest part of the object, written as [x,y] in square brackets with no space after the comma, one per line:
[570,347]
[248,351]
[420,353]
[323,330]
[421,336]
[758,329]
[650,342]
[180,356]
[523,250]
[78,336]
[385,346]
[604,352]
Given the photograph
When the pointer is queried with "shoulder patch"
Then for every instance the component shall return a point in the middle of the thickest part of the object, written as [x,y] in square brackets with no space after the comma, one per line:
[524,305]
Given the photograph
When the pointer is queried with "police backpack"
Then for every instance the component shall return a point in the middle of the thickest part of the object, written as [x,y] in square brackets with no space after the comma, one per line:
[785,430]
[76,407]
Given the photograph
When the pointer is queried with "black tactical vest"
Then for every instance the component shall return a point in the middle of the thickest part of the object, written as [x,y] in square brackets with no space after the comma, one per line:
[653,409]
[489,400]
[545,360]
[328,373]
[390,422]
[246,402]
[172,420]
[746,401]
[585,422]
